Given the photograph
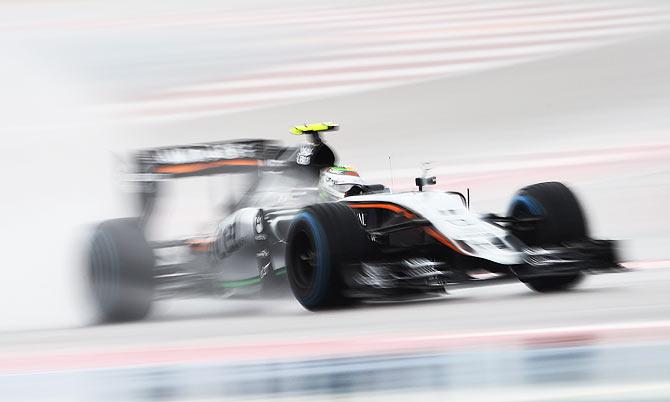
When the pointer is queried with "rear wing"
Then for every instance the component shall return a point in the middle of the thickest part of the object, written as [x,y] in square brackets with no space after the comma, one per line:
[205,159]
[155,165]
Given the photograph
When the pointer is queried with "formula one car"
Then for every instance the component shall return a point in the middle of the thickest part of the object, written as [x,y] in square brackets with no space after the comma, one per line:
[306,223]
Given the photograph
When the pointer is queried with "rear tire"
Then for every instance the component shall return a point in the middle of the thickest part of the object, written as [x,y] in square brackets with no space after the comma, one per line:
[121,265]
[322,238]
[563,221]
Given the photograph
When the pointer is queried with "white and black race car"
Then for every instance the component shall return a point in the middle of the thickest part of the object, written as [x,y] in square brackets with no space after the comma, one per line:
[288,230]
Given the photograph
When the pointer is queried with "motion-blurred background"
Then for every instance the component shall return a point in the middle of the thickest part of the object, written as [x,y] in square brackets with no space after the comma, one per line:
[495,94]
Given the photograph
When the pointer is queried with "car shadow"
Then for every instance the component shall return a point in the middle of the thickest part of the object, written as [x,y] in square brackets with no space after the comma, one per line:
[529,294]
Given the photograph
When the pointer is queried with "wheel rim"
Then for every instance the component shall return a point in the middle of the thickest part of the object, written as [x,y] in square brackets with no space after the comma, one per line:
[304,261]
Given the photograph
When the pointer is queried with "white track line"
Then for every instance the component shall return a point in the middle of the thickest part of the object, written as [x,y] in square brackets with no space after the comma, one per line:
[584,32]
[651,264]
[599,156]
[439,48]
[466,37]
[226,350]
[319,17]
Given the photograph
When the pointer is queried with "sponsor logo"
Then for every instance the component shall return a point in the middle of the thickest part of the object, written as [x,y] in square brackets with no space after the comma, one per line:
[259,224]
[203,153]
[362,218]
[226,241]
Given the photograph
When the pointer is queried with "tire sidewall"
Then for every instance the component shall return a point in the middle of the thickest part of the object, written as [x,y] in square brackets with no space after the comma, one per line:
[317,292]
[122,262]
[562,216]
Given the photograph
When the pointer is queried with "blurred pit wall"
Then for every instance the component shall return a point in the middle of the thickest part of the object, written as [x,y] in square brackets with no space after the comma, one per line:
[589,363]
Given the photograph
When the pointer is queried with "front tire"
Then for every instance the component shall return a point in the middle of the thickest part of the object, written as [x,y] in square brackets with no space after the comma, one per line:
[322,238]
[120,270]
[563,220]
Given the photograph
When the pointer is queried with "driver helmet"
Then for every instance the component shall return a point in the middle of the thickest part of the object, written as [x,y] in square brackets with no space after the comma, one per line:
[336,181]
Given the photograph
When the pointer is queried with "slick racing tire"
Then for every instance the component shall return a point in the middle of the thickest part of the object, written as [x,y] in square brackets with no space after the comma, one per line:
[562,221]
[321,239]
[120,269]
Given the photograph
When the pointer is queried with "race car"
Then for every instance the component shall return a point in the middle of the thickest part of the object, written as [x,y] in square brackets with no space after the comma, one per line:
[306,223]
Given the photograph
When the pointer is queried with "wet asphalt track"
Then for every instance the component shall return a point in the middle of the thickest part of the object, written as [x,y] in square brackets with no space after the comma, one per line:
[638,296]
[561,355]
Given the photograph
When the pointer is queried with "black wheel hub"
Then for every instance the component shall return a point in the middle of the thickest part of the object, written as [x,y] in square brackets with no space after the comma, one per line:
[304,261]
